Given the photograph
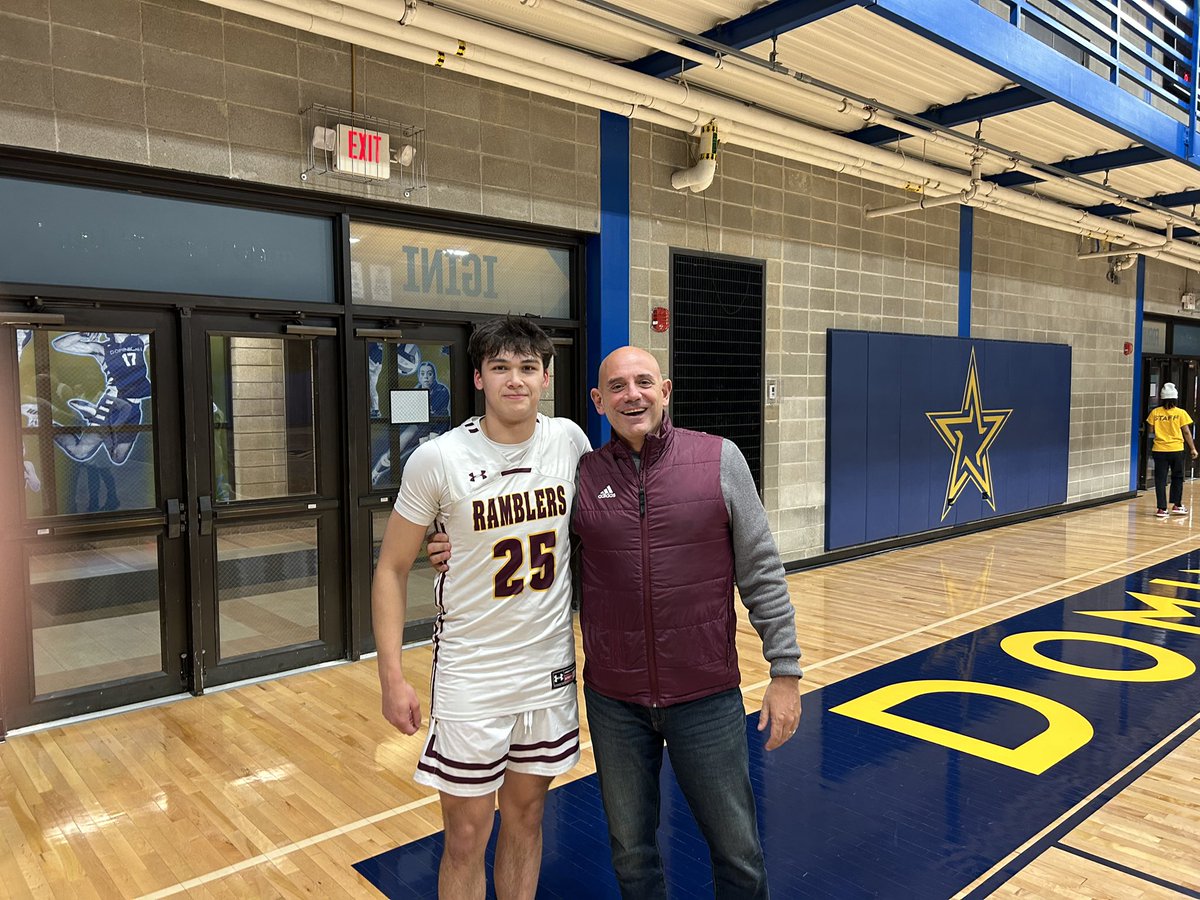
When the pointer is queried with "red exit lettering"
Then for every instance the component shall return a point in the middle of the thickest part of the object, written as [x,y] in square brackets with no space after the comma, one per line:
[363,146]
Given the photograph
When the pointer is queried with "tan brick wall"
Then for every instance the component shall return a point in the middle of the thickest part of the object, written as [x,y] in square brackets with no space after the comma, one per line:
[180,84]
[827,267]
[1029,286]
[257,417]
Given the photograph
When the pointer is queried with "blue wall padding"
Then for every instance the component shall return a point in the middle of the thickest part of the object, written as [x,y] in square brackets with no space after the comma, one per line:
[844,430]
[887,468]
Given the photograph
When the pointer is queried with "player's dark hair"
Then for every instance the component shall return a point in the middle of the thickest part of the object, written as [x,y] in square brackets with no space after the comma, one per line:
[516,335]
[1168,404]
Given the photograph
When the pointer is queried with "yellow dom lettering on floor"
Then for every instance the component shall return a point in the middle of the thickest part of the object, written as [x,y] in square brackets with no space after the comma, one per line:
[1066,730]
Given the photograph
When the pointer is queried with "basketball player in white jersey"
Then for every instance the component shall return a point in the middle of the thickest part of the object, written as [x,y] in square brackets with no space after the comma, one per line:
[503,713]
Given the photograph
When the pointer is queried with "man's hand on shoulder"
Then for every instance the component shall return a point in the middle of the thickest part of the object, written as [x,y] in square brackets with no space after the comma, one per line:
[438,548]
[781,710]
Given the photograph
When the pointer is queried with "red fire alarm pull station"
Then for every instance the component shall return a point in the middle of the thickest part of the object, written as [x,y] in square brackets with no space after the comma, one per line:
[660,318]
[1128,348]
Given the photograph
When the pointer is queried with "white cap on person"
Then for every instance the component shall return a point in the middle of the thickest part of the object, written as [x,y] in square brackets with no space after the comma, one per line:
[1169,392]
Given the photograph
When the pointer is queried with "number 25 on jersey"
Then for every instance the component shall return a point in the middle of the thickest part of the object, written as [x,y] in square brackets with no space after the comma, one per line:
[541,564]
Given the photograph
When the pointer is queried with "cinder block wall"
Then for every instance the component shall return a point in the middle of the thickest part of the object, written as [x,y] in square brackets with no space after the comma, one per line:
[1029,286]
[180,84]
[827,267]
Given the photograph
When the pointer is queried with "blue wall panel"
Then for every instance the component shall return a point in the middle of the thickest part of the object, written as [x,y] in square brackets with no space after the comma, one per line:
[846,435]
[922,475]
[920,427]
[881,404]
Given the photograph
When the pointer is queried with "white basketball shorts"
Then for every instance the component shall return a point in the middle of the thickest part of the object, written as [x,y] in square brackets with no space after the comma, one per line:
[469,759]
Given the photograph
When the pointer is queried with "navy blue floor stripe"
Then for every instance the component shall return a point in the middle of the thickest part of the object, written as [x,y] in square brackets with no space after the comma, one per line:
[1129,870]
[849,809]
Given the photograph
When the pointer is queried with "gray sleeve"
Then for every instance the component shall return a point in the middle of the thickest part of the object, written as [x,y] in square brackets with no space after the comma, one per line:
[757,566]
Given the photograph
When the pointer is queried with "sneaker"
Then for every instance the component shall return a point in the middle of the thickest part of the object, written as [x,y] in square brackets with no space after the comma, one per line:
[1161,514]
[1179,511]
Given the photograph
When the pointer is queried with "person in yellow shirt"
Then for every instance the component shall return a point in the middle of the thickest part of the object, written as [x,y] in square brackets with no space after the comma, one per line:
[1171,431]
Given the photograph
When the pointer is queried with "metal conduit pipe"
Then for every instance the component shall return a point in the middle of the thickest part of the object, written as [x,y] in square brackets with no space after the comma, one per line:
[917,205]
[640,34]
[1152,250]
[1079,224]
[344,15]
[1004,201]
[863,158]
[803,155]
[270,11]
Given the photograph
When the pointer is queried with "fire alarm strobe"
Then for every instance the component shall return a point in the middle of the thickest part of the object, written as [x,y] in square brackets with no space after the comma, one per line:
[660,318]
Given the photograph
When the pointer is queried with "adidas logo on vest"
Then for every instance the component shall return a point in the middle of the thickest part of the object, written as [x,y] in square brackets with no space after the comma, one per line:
[607,494]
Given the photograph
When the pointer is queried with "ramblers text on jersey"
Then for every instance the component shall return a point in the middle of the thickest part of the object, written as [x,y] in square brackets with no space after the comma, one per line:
[518,507]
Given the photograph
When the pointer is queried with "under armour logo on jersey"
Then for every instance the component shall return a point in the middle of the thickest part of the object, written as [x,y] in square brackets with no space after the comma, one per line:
[481,475]
[607,494]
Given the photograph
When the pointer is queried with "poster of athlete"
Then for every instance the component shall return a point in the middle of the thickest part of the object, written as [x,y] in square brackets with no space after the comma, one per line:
[87,432]
[419,367]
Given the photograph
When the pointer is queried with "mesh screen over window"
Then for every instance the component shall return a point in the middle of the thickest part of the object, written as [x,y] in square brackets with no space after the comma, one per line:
[717,359]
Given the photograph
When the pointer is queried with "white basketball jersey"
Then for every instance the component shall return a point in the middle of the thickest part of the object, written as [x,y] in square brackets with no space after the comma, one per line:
[503,642]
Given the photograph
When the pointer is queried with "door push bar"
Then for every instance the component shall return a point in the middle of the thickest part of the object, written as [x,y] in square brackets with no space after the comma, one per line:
[311,330]
[206,515]
[32,318]
[175,522]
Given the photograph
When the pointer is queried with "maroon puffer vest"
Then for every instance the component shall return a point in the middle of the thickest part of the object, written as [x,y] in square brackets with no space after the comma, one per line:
[657,609]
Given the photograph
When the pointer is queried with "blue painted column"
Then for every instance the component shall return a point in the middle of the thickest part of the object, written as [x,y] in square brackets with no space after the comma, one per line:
[1139,311]
[608,262]
[966,252]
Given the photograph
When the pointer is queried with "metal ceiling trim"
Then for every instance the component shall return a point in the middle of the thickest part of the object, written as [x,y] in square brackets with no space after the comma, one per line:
[1009,100]
[985,38]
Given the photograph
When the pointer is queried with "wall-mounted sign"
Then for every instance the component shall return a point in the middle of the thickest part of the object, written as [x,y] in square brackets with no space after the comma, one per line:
[362,152]
[1154,337]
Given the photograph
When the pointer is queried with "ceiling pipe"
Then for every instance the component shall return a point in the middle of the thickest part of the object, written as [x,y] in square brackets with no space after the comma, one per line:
[641,35]
[916,206]
[303,21]
[343,14]
[1153,250]
[700,176]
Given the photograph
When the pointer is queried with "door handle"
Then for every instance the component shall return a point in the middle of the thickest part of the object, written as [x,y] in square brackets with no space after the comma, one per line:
[206,515]
[174,518]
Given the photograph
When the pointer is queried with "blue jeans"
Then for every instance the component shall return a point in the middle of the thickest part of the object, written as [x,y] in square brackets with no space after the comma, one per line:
[706,740]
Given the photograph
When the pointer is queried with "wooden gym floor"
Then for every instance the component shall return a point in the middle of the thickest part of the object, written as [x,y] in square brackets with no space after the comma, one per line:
[276,789]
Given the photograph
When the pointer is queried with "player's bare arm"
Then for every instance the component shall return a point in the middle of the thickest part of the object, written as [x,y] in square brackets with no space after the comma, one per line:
[78,343]
[389,600]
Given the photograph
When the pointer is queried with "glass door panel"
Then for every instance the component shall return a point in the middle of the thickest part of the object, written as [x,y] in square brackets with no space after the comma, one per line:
[269,536]
[410,402]
[264,445]
[92,550]
[417,385]
[268,586]
[96,612]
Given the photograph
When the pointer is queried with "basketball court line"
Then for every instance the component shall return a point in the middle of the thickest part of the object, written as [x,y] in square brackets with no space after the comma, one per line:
[1128,870]
[1052,835]
[287,849]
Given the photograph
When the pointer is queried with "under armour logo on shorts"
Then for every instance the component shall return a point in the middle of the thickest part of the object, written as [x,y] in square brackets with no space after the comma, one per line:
[563,677]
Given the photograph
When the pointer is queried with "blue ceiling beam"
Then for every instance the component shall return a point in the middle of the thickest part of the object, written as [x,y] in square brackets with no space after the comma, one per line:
[983,37]
[1181,198]
[745,31]
[1005,101]
[1085,165]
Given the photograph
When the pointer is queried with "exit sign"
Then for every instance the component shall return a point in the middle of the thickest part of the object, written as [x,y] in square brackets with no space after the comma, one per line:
[362,152]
